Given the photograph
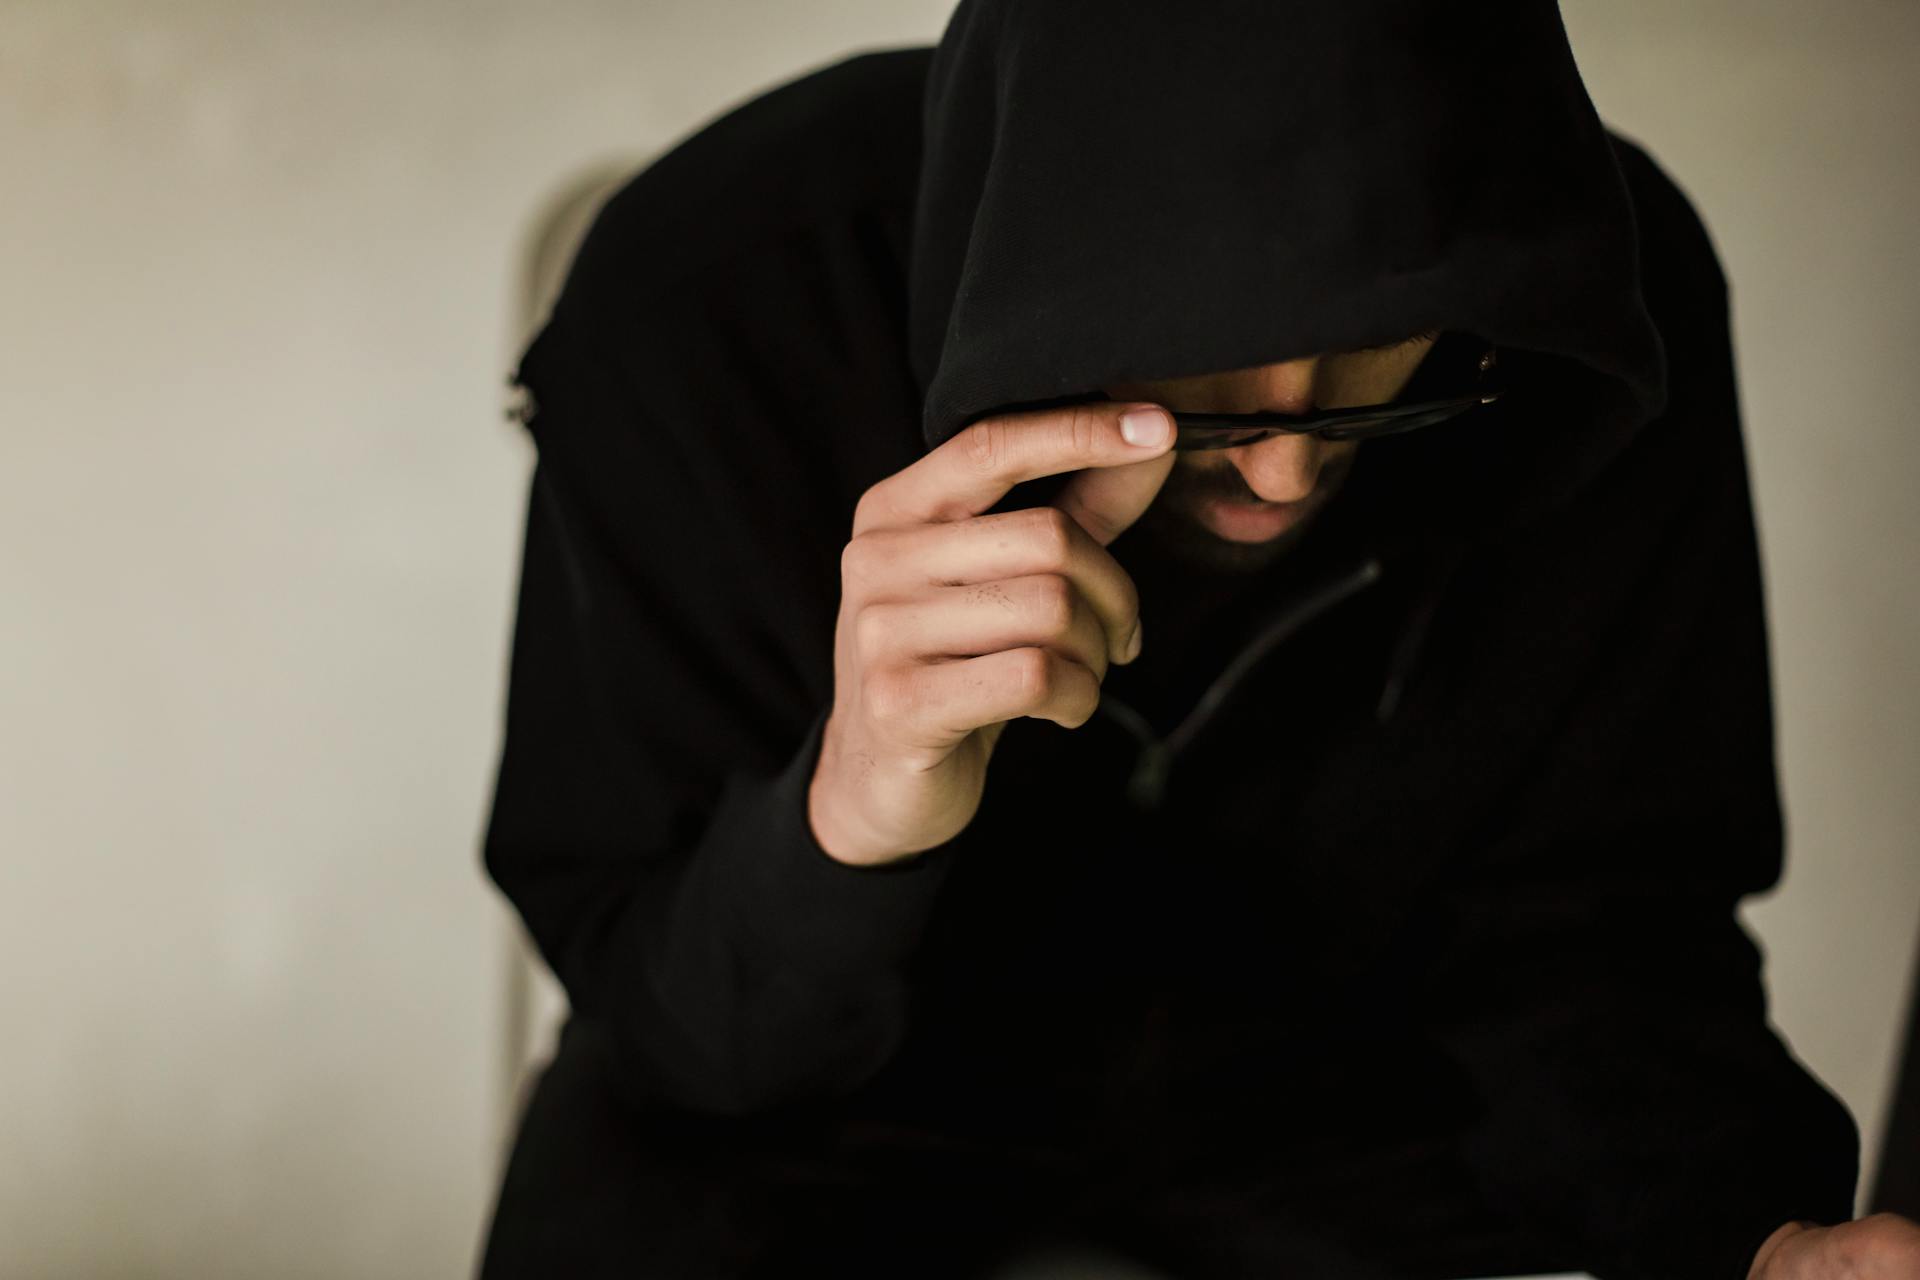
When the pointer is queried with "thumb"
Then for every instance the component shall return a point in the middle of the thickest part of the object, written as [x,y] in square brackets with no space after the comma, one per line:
[1106,500]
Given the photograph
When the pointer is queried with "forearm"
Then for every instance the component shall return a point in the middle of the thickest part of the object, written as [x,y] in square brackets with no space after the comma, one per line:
[735,961]
[768,971]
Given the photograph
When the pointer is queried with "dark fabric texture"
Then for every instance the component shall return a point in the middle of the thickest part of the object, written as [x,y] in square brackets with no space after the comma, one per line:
[1426,962]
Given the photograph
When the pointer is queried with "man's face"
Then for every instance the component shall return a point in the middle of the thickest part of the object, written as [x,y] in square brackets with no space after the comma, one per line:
[1239,508]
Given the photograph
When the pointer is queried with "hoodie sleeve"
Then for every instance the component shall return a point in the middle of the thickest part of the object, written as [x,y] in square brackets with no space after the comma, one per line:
[670,682]
[1595,984]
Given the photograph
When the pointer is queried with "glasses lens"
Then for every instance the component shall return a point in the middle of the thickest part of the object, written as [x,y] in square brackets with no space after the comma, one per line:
[1190,439]
[1369,428]
[1456,369]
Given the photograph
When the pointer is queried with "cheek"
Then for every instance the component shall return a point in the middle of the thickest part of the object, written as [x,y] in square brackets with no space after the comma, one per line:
[1190,484]
[1188,470]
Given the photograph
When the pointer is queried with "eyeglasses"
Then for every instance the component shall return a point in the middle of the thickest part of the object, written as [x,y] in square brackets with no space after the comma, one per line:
[1458,373]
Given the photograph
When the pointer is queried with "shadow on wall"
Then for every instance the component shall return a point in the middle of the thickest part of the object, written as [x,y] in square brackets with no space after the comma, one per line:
[535,1003]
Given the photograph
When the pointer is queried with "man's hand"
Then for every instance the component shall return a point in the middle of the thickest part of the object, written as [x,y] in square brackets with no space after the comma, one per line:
[1883,1246]
[952,622]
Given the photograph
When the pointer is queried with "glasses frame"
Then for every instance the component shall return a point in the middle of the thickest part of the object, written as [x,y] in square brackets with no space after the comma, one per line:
[1198,431]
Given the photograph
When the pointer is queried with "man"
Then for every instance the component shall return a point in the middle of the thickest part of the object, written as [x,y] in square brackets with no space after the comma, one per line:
[964,814]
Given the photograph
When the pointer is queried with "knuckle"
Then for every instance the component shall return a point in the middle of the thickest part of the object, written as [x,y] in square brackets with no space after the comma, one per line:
[1051,531]
[872,629]
[856,559]
[866,511]
[1053,604]
[984,444]
[1033,672]
[884,695]
[1083,429]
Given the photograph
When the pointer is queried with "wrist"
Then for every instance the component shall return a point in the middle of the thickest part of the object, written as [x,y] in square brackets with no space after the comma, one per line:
[839,838]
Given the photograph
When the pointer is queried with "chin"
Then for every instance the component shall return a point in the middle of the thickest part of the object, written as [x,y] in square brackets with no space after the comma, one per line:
[1187,534]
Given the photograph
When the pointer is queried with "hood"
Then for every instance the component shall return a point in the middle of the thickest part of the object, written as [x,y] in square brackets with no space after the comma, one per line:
[1153,189]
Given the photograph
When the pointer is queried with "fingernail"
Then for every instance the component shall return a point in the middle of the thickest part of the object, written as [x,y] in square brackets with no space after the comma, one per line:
[1147,427]
[1133,642]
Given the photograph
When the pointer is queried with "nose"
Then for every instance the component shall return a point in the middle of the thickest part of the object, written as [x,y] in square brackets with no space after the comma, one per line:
[1281,468]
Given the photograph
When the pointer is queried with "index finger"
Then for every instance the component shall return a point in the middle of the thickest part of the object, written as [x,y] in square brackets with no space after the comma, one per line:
[976,467]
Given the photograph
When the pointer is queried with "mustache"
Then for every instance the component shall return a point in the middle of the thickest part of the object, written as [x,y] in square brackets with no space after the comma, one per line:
[1200,484]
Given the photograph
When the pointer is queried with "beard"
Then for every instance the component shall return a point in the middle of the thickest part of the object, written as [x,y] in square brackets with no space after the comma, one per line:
[1172,522]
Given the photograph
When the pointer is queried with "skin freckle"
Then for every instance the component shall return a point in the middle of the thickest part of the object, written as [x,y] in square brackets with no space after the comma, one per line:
[982,593]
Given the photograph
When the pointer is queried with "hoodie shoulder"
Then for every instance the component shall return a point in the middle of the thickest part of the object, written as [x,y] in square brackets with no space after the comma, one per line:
[1668,219]
[1682,277]
[836,142]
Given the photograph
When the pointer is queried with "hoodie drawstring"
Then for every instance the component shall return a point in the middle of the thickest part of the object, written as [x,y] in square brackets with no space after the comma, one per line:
[1154,761]
[1413,635]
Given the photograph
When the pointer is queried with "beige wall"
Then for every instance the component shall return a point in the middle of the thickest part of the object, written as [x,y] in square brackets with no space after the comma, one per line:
[259,516]
[1791,126]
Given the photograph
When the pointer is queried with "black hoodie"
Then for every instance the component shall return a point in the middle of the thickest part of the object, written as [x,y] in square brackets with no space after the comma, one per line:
[1394,888]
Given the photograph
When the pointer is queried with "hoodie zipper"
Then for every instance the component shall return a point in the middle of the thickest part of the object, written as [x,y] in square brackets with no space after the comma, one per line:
[1154,763]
